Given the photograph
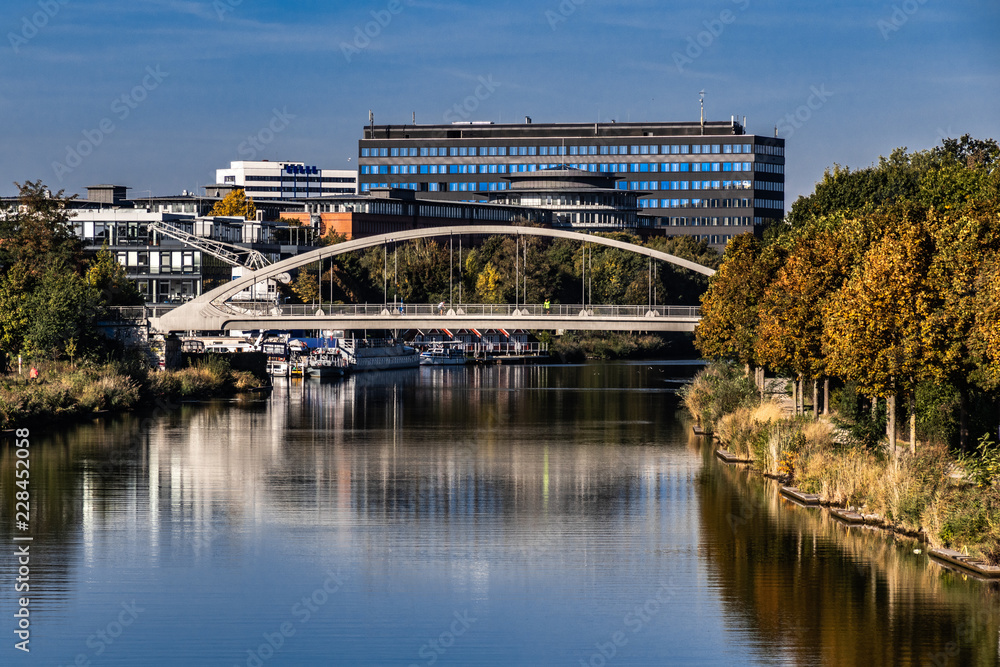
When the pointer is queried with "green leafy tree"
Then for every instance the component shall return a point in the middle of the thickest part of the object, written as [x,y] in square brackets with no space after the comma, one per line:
[63,307]
[106,274]
[38,230]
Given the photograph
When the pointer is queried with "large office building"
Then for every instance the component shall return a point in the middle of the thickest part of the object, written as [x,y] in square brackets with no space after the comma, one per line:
[263,179]
[710,180]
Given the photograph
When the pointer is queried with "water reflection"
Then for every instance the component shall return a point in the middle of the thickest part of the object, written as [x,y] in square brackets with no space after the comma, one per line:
[549,503]
[805,589]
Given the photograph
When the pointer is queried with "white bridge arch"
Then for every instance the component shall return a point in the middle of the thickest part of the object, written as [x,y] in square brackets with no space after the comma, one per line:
[212,311]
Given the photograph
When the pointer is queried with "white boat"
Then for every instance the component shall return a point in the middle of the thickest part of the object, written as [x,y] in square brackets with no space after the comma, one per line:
[444,356]
[362,354]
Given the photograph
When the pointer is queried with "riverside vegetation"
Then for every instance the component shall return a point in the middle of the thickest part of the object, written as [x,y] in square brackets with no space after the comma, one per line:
[882,283]
[924,492]
[68,391]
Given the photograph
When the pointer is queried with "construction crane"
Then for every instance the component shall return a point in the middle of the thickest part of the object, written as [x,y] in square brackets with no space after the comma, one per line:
[231,254]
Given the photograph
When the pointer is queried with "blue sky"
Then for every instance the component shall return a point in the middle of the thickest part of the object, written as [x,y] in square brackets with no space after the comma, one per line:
[157,94]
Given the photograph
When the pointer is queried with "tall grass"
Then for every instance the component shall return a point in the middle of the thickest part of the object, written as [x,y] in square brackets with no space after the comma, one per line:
[916,493]
[716,391]
[65,390]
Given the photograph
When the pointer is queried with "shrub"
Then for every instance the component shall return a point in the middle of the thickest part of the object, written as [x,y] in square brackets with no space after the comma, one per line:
[716,391]
[982,466]
[854,415]
[937,405]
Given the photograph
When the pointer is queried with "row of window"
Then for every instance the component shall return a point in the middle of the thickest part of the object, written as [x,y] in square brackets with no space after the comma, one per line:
[769,203]
[644,186]
[291,191]
[156,262]
[632,149]
[613,167]
[294,179]
[636,186]
[694,203]
[725,221]
[681,221]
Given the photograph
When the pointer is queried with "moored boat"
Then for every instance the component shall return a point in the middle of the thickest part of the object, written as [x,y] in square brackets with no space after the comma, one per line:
[440,355]
[362,354]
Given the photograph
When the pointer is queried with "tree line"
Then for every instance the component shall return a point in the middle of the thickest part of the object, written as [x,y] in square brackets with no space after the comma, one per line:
[885,279]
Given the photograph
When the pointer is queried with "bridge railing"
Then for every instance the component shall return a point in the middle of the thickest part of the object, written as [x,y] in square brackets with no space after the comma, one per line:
[459,310]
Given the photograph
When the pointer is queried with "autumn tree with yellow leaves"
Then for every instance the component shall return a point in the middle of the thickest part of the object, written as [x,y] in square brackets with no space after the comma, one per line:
[235,204]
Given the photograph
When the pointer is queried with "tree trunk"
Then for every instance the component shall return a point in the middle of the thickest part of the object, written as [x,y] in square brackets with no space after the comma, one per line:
[795,397]
[826,396]
[815,398]
[874,407]
[890,421]
[913,420]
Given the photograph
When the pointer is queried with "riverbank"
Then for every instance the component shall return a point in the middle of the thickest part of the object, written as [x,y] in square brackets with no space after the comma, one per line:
[65,391]
[926,493]
[577,347]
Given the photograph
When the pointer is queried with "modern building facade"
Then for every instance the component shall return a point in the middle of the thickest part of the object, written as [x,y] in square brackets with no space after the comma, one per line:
[579,200]
[167,270]
[387,210]
[263,179]
[710,180]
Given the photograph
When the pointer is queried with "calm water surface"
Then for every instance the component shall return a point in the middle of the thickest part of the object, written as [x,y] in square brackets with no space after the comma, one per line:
[500,516]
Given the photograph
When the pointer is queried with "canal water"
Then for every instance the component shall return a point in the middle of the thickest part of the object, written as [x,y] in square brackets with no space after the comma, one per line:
[471,516]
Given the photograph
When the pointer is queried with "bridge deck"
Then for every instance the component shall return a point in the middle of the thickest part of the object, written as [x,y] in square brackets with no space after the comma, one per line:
[236,315]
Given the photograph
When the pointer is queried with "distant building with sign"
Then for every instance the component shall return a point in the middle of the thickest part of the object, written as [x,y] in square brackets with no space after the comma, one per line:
[263,179]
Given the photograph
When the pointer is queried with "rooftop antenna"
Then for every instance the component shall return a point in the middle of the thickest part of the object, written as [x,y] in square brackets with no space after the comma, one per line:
[414,118]
[371,122]
[702,100]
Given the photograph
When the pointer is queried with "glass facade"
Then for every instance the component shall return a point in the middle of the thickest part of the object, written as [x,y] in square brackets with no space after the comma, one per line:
[740,177]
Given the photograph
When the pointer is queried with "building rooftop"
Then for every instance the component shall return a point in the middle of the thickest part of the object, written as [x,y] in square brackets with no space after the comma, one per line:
[549,130]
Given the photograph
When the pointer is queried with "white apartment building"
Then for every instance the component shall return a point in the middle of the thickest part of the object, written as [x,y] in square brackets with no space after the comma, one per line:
[263,179]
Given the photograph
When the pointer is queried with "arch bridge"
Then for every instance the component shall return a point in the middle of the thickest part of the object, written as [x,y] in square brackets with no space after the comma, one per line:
[219,309]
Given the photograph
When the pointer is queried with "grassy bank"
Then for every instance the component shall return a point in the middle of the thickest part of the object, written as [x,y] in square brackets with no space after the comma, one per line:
[576,347]
[953,500]
[68,391]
